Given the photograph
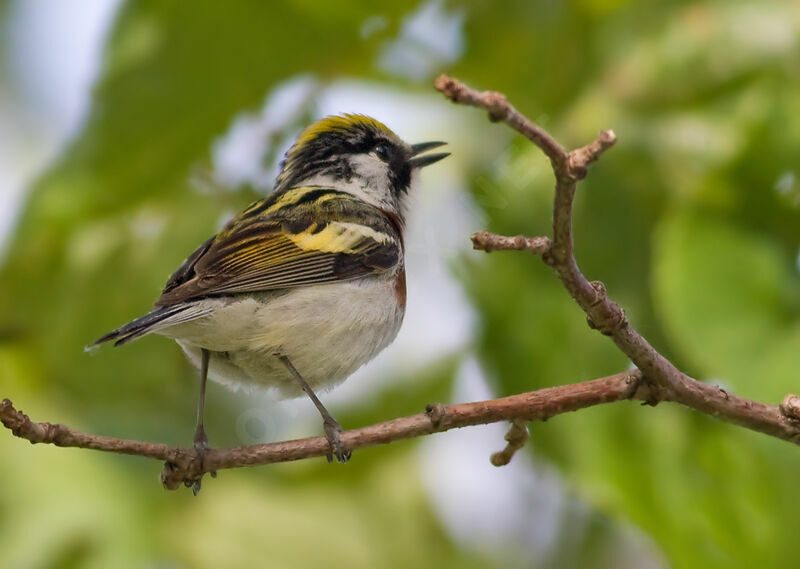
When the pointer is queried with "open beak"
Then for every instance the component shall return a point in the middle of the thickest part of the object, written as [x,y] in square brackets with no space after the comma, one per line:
[428,159]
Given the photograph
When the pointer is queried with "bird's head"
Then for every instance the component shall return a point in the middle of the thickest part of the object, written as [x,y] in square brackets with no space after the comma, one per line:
[359,155]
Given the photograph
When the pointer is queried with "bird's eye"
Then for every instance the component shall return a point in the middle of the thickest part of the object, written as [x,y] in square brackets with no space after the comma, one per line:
[382,151]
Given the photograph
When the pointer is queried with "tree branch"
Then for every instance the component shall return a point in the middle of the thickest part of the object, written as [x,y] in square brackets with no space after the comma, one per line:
[656,379]
[185,465]
[603,314]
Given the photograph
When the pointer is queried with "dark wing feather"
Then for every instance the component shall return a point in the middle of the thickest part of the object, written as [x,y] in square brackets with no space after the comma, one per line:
[287,241]
[186,271]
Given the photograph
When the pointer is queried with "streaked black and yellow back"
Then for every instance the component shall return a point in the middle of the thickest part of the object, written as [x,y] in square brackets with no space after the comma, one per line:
[295,237]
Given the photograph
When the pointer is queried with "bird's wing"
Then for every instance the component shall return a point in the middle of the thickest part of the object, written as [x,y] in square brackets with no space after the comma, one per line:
[302,236]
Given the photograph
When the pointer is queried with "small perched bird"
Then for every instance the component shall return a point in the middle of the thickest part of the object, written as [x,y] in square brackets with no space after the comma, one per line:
[302,288]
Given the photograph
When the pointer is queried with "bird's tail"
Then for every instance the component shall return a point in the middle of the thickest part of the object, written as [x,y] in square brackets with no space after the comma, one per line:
[161,317]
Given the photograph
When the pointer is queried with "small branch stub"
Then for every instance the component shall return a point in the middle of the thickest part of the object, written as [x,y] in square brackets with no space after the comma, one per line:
[436,413]
[790,407]
[516,437]
[580,159]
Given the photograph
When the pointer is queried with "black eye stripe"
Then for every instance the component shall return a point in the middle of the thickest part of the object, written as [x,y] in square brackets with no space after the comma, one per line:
[384,151]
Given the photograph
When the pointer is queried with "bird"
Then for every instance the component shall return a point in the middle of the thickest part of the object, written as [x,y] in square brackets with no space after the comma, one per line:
[305,286]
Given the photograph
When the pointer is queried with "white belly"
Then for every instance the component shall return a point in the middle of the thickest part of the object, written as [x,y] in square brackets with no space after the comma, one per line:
[326,331]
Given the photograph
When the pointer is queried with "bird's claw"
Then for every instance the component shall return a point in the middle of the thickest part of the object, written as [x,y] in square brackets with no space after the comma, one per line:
[338,449]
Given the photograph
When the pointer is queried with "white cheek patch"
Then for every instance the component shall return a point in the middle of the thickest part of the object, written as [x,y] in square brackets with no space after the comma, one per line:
[372,169]
[370,181]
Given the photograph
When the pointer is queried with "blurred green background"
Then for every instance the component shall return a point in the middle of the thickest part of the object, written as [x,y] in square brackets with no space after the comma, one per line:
[129,131]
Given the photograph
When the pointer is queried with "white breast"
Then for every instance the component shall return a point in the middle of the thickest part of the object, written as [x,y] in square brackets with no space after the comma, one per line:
[327,331]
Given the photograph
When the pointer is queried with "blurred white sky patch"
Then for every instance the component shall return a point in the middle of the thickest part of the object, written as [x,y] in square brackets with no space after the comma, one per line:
[429,39]
[55,54]
[785,182]
[239,155]
[516,508]
[52,53]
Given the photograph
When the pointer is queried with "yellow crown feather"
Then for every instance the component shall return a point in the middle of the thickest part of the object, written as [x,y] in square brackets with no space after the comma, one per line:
[342,122]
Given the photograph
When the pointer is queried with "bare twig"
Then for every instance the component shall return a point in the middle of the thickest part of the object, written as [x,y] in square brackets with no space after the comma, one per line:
[489,242]
[500,109]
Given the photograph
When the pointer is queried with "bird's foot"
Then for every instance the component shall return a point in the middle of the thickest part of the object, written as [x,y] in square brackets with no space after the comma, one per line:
[338,449]
[201,447]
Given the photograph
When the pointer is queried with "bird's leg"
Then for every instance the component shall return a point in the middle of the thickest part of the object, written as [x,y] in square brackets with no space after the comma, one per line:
[200,438]
[331,425]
